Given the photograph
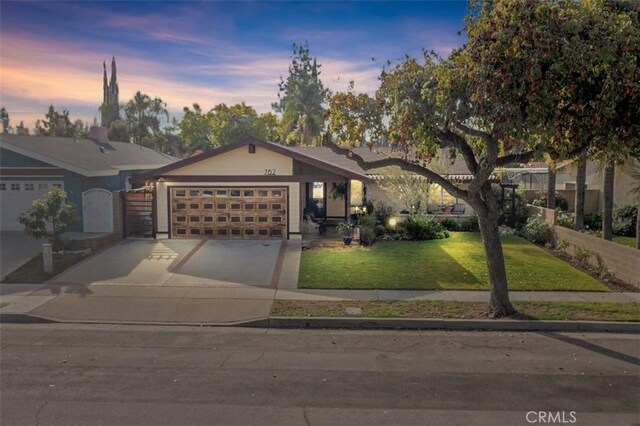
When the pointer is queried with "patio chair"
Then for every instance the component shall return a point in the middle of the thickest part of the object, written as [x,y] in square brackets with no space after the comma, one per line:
[458,208]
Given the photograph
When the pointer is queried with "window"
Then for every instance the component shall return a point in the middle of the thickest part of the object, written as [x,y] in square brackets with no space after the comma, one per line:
[235,219]
[276,219]
[57,185]
[234,193]
[208,231]
[207,193]
[263,219]
[276,232]
[264,206]
[181,193]
[277,194]
[195,231]
[15,187]
[249,193]
[3,186]
[263,232]
[194,193]
[262,193]
[208,219]
[236,206]
[222,231]
[222,218]
[181,231]
[181,206]
[235,231]
[28,187]
[194,218]
[221,206]
[208,206]
[249,206]
[43,186]
[181,218]
[194,205]
[249,219]
[221,193]
[249,232]
[276,206]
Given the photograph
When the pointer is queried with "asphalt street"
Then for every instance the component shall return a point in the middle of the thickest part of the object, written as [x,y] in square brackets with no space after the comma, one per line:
[55,374]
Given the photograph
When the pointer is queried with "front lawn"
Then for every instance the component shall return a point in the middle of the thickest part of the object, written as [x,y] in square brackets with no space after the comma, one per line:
[32,272]
[578,311]
[455,263]
[625,241]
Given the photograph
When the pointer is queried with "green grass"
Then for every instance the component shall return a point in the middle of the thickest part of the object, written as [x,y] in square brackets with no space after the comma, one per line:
[625,241]
[456,263]
[578,311]
[32,272]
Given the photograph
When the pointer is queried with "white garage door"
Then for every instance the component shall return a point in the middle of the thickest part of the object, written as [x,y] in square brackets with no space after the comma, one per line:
[16,196]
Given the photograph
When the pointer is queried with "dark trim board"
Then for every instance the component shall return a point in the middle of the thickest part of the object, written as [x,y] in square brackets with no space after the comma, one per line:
[31,171]
[251,178]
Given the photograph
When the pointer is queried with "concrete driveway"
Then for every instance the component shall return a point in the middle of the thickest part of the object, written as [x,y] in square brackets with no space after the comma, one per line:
[175,263]
[15,250]
[168,281]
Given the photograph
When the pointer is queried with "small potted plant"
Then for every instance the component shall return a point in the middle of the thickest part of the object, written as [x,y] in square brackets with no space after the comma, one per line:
[346,229]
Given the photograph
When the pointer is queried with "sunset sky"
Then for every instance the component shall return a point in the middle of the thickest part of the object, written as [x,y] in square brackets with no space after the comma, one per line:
[205,52]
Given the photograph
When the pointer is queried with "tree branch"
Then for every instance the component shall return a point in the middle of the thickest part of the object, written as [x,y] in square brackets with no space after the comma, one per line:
[404,165]
[450,139]
[523,157]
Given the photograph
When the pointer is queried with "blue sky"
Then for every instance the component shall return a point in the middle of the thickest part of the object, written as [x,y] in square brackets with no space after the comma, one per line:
[205,52]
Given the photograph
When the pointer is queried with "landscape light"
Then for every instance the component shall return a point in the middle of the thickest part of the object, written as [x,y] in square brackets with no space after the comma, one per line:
[393,221]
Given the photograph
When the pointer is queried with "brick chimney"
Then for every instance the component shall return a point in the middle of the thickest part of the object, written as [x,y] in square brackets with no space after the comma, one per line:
[99,134]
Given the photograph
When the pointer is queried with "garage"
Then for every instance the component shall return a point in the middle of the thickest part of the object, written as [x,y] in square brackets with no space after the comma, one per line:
[17,196]
[229,212]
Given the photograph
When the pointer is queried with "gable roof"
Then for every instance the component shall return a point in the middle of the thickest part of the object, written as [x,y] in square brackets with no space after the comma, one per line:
[339,169]
[84,156]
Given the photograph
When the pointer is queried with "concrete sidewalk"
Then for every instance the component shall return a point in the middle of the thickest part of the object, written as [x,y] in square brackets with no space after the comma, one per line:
[221,305]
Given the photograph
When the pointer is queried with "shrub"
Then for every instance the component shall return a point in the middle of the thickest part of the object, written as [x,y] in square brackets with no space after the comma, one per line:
[380,230]
[367,236]
[593,221]
[470,225]
[383,212]
[581,254]
[450,224]
[564,219]
[624,221]
[308,227]
[367,220]
[536,230]
[541,201]
[505,231]
[423,228]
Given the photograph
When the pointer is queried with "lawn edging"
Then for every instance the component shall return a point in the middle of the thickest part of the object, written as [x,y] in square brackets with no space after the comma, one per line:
[452,324]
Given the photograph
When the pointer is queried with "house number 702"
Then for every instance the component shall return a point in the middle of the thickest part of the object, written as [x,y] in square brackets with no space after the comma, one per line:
[269,172]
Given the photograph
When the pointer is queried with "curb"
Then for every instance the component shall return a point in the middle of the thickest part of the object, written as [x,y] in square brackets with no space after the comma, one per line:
[453,324]
[368,324]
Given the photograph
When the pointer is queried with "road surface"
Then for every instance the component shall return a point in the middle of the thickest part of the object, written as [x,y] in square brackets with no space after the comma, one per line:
[54,374]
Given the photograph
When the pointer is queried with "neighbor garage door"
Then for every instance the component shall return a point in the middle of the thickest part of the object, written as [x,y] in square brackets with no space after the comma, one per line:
[222,212]
[17,196]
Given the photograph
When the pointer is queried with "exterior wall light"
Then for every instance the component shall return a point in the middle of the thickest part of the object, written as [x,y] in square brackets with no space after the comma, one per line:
[393,222]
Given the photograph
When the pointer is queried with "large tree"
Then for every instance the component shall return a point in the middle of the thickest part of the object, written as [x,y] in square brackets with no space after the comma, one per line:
[145,116]
[301,98]
[521,86]
[225,124]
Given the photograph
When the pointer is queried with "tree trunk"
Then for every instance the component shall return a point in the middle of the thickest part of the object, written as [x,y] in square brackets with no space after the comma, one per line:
[551,190]
[487,211]
[638,228]
[607,199]
[581,186]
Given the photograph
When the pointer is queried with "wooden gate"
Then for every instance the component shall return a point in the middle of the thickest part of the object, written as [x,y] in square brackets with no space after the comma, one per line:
[138,214]
[97,211]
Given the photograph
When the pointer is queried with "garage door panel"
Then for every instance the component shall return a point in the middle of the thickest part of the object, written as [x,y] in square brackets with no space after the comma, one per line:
[233,213]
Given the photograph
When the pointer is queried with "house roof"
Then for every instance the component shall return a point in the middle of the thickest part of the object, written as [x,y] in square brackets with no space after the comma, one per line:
[341,169]
[85,156]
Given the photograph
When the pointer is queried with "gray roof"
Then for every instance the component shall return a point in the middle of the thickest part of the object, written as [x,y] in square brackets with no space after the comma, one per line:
[84,156]
[327,155]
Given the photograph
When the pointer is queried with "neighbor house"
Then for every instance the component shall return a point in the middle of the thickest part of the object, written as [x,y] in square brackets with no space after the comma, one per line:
[87,169]
[257,189]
